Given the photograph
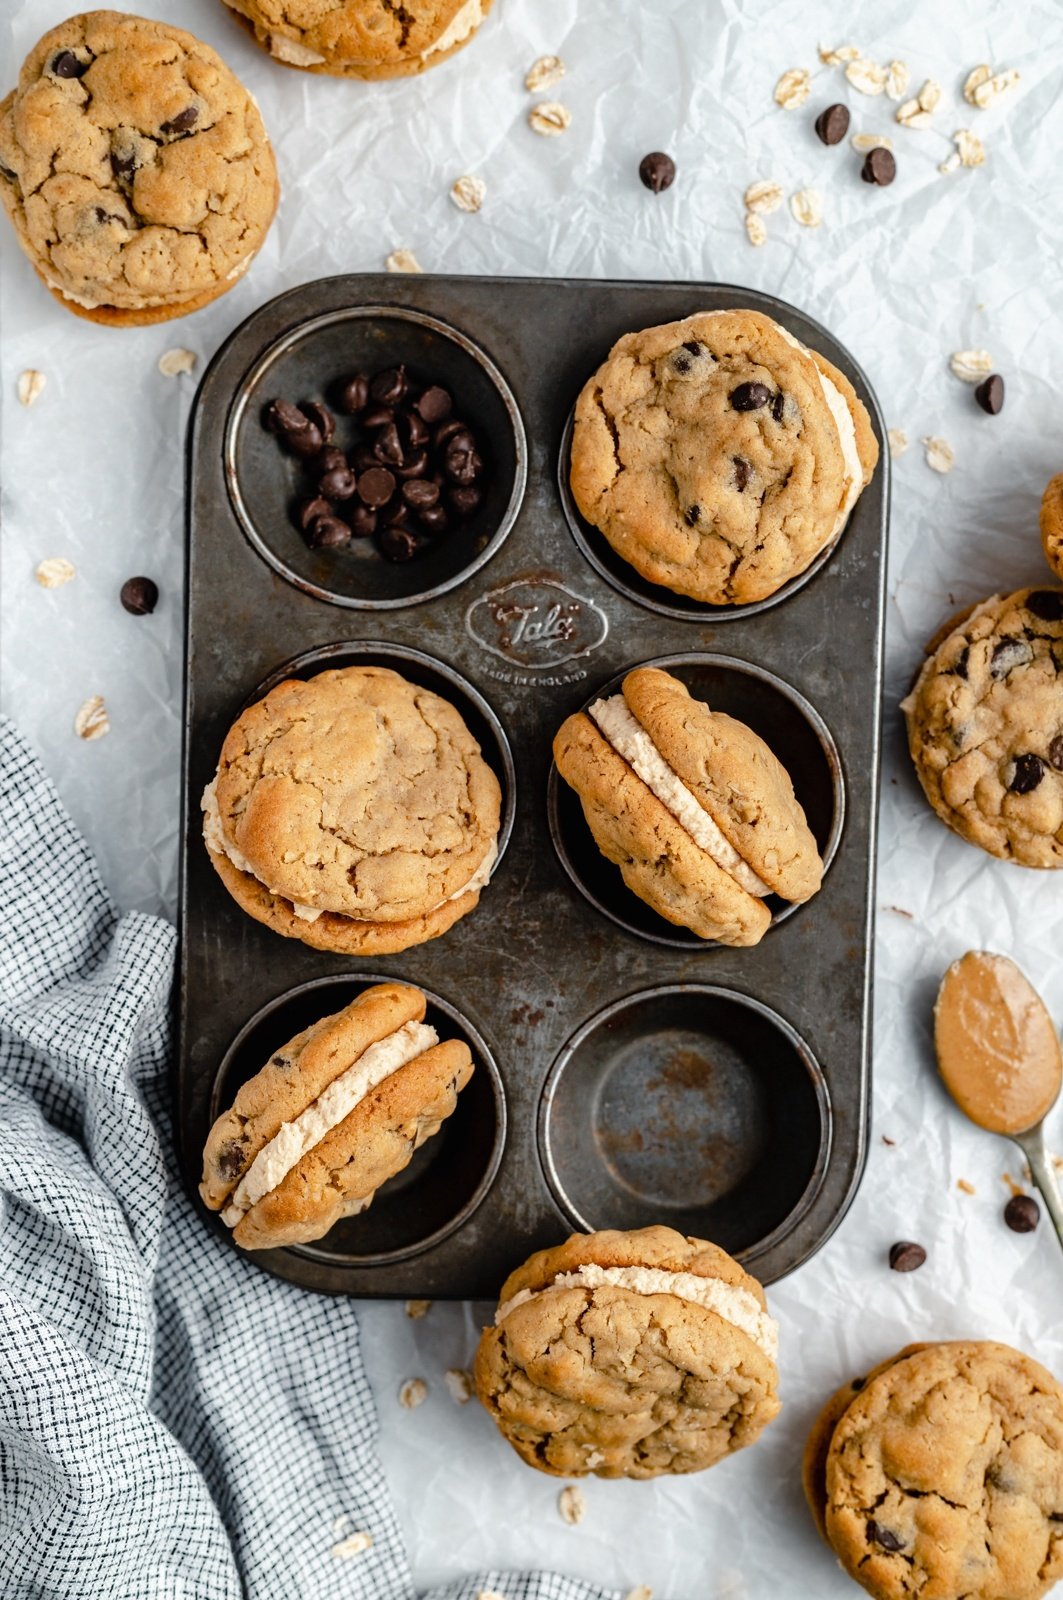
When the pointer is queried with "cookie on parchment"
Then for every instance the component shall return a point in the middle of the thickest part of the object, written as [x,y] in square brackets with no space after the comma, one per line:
[691,805]
[629,1355]
[335,1113]
[135,168]
[943,1476]
[985,726]
[362,38]
[354,811]
[718,456]
[1052,524]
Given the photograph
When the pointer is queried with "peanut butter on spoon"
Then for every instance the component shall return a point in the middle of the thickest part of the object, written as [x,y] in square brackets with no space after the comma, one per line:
[999,1054]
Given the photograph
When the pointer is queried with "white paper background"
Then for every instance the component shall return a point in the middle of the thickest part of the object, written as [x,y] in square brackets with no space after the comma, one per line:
[903,276]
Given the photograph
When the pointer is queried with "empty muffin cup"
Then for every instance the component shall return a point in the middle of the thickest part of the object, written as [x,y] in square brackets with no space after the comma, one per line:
[689,1105]
[788,724]
[448,1176]
[269,484]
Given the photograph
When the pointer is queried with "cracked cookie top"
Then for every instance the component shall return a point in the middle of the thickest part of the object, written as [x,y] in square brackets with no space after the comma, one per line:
[985,727]
[718,456]
[945,1477]
[355,792]
[134,166]
[361,38]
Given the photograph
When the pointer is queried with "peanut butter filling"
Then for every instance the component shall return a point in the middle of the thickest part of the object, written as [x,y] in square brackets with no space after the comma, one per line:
[997,1046]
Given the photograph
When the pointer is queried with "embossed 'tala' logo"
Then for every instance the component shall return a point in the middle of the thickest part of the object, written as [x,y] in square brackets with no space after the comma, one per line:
[536,622]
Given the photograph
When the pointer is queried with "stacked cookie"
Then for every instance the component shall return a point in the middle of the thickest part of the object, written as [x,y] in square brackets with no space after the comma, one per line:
[362,38]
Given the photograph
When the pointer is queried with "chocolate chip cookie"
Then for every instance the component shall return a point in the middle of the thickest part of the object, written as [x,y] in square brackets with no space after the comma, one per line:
[691,805]
[135,169]
[943,1475]
[629,1355]
[985,726]
[362,38]
[333,1114]
[1052,524]
[718,455]
[354,811]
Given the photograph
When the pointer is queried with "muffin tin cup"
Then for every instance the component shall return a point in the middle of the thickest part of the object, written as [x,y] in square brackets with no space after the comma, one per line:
[692,1106]
[788,722]
[601,1033]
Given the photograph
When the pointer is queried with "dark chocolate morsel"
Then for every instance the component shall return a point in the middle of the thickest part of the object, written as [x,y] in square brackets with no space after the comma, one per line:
[879,167]
[657,171]
[328,533]
[320,416]
[139,596]
[388,446]
[398,544]
[750,396]
[1029,770]
[832,124]
[310,510]
[990,394]
[183,121]
[415,466]
[435,404]
[353,394]
[389,386]
[1022,1213]
[433,519]
[338,484]
[67,65]
[420,493]
[877,1534]
[465,498]
[1009,654]
[906,1255]
[742,472]
[362,521]
[1055,752]
[692,516]
[778,406]
[1046,604]
[376,487]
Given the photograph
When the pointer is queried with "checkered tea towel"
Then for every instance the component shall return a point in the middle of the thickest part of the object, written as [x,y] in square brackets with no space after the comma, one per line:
[172,1421]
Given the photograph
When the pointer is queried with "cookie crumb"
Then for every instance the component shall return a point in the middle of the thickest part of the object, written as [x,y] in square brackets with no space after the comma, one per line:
[544,73]
[572,1504]
[54,571]
[92,721]
[355,1545]
[30,386]
[173,362]
[898,442]
[756,230]
[468,193]
[968,1188]
[549,118]
[402,261]
[413,1393]
[416,1309]
[459,1385]
[764,196]
[940,456]
[971,366]
[806,207]
[793,88]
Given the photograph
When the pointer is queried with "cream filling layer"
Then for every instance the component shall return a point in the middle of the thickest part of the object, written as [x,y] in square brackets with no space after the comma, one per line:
[628,737]
[214,838]
[293,1139]
[735,1305]
[843,421]
[293,51]
[468,18]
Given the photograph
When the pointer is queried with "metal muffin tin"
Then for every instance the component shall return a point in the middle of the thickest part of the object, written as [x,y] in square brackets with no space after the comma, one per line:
[627,1073]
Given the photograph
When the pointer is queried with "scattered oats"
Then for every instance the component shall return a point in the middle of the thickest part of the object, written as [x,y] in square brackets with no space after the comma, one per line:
[459,1385]
[971,366]
[807,207]
[929,95]
[968,1188]
[756,230]
[547,71]
[173,362]
[572,1504]
[468,194]
[549,118]
[897,76]
[793,89]
[871,141]
[949,164]
[838,57]
[53,572]
[898,442]
[764,196]
[642,1592]
[356,1545]
[30,386]
[939,454]
[416,1309]
[912,115]
[413,1393]
[983,85]
[403,261]
[969,148]
[867,76]
[92,721]
[975,79]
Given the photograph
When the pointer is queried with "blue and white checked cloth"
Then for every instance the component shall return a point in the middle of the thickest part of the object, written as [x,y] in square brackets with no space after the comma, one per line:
[172,1421]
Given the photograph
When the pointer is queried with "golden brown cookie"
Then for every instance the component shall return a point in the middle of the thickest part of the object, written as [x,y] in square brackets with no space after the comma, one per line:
[362,38]
[985,727]
[629,1355]
[335,1113]
[1052,524]
[718,455]
[354,811]
[135,168]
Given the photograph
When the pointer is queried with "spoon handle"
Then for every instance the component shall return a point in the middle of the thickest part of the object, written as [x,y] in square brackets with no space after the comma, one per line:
[1043,1173]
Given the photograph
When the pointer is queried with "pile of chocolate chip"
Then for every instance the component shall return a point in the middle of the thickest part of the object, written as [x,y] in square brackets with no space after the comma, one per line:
[412,476]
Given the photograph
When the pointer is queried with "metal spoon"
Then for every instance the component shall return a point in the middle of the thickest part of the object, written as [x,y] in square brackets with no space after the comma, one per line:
[1031,1141]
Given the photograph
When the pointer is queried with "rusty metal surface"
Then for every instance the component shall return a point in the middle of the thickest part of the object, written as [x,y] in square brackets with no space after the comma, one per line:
[681,1107]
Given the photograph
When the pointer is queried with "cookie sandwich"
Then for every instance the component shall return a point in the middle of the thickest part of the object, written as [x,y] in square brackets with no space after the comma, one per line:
[985,726]
[718,455]
[691,805]
[362,38]
[354,811]
[135,168]
[629,1355]
[334,1114]
[941,1473]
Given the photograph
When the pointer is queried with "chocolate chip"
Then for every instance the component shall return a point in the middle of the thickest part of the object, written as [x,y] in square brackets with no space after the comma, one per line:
[419,493]
[320,416]
[328,533]
[231,1156]
[376,487]
[1029,770]
[414,429]
[304,441]
[123,166]
[1022,1213]
[1009,654]
[750,396]
[389,386]
[388,446]
[330,458]
[139,596]
[906,1256]
[396,515]
[447,431]
[310,510]
[183,121]
[877,1534]
[103,216]
[959,667]
[398,544]
[1046,604]
[6,172]
[353,394]
[462,465]
[778,406]
[742,472]
[681,363]
[990,394]
[434,519]
[282,417]
[67,65]
[375,416]
[692,516]
[338,484]
[363,458]
[832,124]
[435,404]
[657,171]
[693,345]
[465,499]
[415,466]
[1055,752]
[879,167]
[362,521]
